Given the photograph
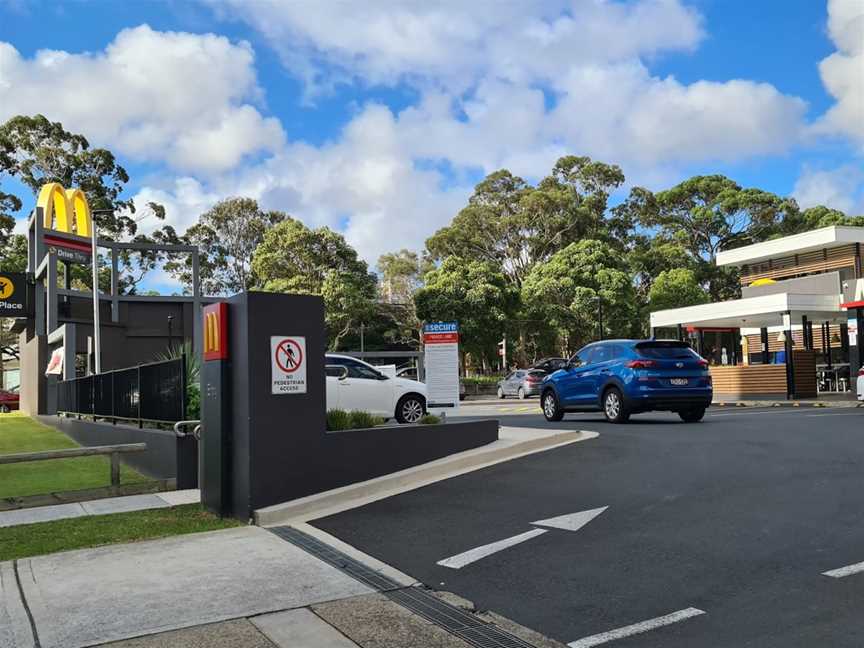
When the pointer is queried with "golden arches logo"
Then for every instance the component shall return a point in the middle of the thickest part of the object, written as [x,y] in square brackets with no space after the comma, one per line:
[68,206]
[211,333]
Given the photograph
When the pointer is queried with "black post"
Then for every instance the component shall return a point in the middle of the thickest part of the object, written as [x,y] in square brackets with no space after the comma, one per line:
[140,423]
[700,340]
[766,355]
[826,343]
[599,316]
[808,343]
[170,333]
[844,344]
[680,333]
[860,335]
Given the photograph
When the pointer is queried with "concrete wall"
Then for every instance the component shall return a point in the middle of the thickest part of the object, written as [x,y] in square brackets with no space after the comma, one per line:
[159,461]
[34,360]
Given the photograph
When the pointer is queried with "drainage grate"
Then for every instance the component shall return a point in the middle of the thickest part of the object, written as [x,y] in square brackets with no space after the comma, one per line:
[453,619]
[336,558]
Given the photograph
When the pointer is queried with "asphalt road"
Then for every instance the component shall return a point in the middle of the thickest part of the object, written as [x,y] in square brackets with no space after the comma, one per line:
[738,517]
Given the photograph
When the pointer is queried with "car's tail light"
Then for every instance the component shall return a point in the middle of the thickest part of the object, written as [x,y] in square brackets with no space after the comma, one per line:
[641,364]
[703,363]
[533,379]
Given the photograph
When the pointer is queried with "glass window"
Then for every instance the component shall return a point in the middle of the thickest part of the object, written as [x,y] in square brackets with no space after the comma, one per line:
[665,350]
[600,354]
[355,369]
[586,355]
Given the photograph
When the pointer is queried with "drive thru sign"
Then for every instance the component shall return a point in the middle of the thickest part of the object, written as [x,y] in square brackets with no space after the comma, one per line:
[288,364]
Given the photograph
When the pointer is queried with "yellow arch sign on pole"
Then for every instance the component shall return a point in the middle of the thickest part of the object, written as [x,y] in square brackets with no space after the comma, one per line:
[68,207]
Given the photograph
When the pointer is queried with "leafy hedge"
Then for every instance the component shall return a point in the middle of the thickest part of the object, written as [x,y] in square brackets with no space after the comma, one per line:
[481,380]
[341,420]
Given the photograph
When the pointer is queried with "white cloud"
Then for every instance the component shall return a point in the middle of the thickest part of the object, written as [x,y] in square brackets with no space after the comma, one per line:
[184,199]
[162,96]
[841,188]
[454,43]
[843,71]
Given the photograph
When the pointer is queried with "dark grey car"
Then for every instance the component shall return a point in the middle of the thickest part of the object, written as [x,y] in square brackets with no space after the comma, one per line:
[521,383]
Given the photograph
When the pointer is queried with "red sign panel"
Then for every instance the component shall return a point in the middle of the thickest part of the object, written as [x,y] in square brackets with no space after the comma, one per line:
[216,332]
[441,338]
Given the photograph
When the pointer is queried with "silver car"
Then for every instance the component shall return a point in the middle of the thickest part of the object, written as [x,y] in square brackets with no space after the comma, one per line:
[521,383]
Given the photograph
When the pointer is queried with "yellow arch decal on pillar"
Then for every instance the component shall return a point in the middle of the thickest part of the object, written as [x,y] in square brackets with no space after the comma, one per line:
[68,207]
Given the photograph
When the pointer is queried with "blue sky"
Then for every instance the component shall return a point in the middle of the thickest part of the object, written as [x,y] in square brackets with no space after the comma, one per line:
[378,119]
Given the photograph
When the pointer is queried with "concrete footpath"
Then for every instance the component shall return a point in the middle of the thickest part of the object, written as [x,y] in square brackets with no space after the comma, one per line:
[242,587]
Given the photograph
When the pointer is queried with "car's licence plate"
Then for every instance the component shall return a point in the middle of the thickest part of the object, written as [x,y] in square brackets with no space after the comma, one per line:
[678,381]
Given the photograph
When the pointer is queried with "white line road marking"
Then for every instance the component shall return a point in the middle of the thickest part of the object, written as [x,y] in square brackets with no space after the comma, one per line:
[852,412]
[636,628]
[571,522]
[845,571]
[472,555]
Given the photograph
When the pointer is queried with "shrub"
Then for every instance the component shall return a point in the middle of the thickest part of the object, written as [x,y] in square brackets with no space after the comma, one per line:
[341,420]
[430,419]
[481,380]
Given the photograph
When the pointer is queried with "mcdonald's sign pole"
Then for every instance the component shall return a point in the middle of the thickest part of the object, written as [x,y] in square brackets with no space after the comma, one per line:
[97,336]
[215,415]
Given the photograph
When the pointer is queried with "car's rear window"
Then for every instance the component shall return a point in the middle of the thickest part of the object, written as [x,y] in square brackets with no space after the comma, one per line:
[537,372]
[665,350]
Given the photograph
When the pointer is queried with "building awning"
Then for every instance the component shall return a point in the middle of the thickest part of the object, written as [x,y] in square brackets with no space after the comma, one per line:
[824,238]
[853,304]
[753,312]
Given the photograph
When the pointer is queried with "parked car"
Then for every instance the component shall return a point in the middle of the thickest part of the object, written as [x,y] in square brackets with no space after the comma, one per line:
[624,377]
[9,399]
[521,383]
[550,365]
[861,384]
[356,385]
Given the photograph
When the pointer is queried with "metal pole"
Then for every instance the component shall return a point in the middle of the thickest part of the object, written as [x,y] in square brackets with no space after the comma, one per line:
[97,340]
[600,315]
[362,337]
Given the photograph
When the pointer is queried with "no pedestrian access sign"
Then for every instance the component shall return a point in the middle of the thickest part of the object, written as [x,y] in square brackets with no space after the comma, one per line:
[288,364]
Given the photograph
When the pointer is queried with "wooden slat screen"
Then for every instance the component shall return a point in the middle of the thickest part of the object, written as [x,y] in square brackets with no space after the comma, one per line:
[742,381]
[804,366]
[802,264]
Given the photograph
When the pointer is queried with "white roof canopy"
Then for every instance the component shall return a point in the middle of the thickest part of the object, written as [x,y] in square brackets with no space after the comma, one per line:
[824,238]
[753,312]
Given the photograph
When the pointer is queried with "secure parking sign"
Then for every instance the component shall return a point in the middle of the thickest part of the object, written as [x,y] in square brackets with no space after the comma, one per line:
[288,364]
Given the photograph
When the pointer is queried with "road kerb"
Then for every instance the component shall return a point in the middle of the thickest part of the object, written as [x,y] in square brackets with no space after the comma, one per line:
[354,495]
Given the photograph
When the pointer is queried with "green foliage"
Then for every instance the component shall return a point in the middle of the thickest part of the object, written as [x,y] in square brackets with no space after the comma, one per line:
[193,374]
[354,420]
[676,288]
[481,380]
[35,151]
[295,259]
[227,235]
[569,290]
[429,419]
[514,226]
[475,293]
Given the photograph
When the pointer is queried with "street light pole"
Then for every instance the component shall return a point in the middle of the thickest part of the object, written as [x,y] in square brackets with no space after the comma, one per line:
[600,315]
[97,337]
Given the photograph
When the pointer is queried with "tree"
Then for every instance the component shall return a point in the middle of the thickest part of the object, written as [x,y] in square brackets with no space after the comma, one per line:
[476,294]
[226,235]
[706,214]
[579,286]
[36,151]
[295,259]
[514,226]
[676,288]
[400,276]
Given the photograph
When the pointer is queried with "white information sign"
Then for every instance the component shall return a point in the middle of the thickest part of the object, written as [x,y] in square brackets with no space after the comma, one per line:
[441,355]
[853,332]
[288,364]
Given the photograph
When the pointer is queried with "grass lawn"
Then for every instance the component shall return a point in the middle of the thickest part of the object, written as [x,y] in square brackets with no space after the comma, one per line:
[79,533]
[19,433]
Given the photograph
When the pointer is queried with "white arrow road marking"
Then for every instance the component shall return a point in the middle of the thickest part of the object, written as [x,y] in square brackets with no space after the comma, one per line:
[572,521]
[636,628]
[845,571]
[472,555]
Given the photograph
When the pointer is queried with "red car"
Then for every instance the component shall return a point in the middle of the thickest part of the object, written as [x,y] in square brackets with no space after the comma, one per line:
[8,399]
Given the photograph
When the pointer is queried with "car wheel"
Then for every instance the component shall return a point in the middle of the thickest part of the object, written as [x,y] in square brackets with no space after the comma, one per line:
[500,393]
[410,408]
[551,408]
[521,394]
[4,409]
[613,406]
[693,415]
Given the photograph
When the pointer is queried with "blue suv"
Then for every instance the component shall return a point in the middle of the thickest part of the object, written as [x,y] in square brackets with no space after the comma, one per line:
[624,377]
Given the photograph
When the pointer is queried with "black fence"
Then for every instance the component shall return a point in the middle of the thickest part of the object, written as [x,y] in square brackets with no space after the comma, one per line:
[150,392]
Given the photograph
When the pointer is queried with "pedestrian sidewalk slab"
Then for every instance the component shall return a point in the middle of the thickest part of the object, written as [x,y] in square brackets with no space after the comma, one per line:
[94,596]
[98,507]
[300,627]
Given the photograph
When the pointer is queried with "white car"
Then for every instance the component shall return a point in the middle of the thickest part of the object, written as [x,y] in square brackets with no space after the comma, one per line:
[356,385]
[861,384]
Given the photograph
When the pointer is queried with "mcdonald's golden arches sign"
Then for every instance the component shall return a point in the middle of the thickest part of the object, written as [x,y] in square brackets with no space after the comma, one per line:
[67,221]
[216,332]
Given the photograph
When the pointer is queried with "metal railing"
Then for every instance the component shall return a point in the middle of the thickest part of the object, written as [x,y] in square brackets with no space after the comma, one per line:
[154,392]
[70,453]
